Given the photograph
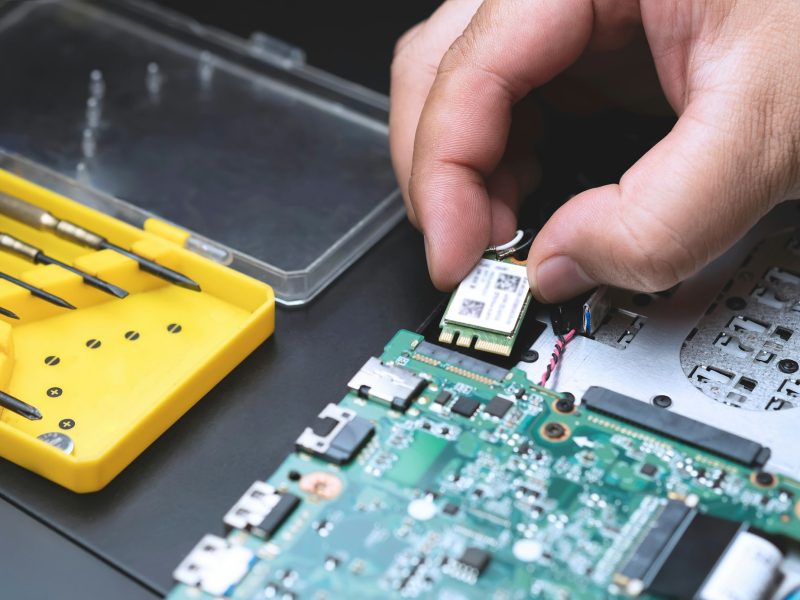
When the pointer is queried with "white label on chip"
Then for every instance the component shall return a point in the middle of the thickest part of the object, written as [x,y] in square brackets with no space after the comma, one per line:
[491,297]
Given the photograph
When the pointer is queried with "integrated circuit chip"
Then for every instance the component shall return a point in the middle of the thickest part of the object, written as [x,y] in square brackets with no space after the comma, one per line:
[442,398]
[465,406]
[475,558]
[450,509]
[648,469]
[498,407]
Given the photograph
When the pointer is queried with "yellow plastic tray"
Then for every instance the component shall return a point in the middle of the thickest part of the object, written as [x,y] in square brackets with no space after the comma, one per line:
[114,374]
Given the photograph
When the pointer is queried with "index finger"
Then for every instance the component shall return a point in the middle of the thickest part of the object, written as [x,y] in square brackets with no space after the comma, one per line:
[509,48]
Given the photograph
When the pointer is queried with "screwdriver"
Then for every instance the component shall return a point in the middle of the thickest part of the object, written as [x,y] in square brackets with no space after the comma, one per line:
[18,406]
[41,219]
[8,313]
[38,292]
[36,256]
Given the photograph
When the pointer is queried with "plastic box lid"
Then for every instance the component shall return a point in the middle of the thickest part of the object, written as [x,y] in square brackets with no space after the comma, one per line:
[275,168]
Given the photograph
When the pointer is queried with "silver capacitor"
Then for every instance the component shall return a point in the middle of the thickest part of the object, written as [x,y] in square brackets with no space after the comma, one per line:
[749,570]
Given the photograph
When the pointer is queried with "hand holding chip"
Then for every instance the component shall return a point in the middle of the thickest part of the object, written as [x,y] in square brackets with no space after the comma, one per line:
[460,133]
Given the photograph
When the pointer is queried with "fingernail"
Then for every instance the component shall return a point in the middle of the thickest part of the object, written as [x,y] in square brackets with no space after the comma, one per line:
[560,278]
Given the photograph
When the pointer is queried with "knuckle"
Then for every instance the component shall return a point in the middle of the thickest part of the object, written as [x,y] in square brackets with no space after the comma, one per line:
[405,40]
[465,48]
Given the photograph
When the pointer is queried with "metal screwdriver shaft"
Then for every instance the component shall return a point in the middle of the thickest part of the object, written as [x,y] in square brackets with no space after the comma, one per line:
[36,256]
[38,292]
[8,313]
[16,405]
[41,219]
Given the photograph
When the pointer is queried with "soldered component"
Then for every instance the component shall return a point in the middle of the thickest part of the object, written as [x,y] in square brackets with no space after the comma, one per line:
[321,484]
[261,510]
[476,559]
[498,407]
[684,429]
[750,568]
[393,385]
[336,435]
[455,360]
[215,566]
[688,554]
[465,406]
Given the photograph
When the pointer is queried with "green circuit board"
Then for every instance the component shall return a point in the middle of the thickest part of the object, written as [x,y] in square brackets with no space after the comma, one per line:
[484,485]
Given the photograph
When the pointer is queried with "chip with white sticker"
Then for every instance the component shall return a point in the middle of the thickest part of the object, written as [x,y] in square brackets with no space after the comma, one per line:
[492,298]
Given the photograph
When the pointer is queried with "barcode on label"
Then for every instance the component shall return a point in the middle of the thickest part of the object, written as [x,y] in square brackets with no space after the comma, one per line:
[471,308]
[491,297]
[507,283]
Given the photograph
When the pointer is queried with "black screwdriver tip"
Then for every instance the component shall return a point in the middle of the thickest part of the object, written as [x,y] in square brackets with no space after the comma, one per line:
[19,407]
[38,292]
[8,313]
[52,299]
[109,288]
[185,282]
[88,279]
[152,267]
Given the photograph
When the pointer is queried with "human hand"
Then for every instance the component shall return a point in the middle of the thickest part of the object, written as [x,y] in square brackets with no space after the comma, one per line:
[461,134]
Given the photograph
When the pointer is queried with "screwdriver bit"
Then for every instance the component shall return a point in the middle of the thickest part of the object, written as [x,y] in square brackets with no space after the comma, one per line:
[41,219]
[23,409]
[37,292]
[8,313]
[36,256]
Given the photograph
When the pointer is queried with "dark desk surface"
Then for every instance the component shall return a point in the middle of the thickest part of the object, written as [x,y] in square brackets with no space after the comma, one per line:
[125,540]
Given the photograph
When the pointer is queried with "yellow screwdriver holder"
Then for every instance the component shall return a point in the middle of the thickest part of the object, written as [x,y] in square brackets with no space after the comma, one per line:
[113,374]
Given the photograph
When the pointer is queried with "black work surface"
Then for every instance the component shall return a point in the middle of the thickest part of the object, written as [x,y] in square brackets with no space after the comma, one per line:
[138,529]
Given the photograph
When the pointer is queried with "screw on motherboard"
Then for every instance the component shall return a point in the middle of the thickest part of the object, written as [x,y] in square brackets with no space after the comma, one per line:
[566,403]
[554,430]
[787,365]
[529,356]
[662,401]
[764,479]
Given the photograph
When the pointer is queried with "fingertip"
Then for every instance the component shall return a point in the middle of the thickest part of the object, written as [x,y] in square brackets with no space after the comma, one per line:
[450,259]
[558,279]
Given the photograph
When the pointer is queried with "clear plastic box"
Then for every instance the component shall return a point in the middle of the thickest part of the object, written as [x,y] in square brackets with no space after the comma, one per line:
[277,169]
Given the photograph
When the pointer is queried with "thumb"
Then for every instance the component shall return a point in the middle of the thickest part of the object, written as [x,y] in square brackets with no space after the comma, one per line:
[681,205]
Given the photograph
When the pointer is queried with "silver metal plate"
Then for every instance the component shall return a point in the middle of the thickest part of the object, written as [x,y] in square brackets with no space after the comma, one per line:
[58,440]
[642,351]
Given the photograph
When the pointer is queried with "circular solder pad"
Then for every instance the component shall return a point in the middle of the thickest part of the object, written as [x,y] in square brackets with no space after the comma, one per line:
[555,432]
[58,440]
[326,486]
[763,479]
